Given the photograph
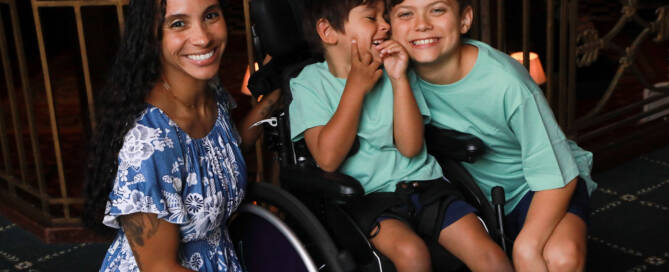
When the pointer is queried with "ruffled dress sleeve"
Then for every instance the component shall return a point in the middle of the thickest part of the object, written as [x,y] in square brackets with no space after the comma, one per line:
[150,174]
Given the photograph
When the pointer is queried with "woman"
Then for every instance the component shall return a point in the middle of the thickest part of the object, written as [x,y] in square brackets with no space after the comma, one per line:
[166,167]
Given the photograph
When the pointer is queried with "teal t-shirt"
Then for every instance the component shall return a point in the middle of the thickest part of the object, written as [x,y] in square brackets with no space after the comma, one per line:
[499,103]
[378,165]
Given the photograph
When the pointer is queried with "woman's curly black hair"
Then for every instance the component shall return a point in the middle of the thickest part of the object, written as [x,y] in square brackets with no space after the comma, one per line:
[135,70]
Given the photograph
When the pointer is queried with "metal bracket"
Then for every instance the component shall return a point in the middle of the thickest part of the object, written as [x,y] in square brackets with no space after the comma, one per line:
[270,121]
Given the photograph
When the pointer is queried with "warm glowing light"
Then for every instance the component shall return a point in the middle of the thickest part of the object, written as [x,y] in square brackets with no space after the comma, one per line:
[245,82]
[536,70]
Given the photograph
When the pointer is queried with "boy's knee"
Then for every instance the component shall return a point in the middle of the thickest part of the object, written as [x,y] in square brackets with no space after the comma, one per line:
[498,260]
[494,261]
[412,255]
[525,251]
[565,256]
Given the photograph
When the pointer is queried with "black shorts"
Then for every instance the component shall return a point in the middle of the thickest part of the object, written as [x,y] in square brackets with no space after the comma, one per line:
[456,210]
[408,203]
[579,205]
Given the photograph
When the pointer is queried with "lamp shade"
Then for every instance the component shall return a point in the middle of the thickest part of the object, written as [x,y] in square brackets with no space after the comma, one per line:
[536,70]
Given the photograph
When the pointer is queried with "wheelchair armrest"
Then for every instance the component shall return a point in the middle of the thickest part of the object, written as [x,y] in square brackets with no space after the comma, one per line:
[334,186]
[451,144]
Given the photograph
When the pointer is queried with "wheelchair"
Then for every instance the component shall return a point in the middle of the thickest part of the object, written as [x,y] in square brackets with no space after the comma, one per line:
[302,225]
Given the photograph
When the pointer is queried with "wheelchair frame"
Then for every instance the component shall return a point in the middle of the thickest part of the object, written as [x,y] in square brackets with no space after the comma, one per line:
[311,197]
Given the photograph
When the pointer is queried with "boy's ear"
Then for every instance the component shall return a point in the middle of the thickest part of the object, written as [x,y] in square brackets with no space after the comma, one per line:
[466,19]
[325,30]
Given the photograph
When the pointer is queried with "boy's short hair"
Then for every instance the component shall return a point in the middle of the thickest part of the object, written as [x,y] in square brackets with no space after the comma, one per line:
[335,11]
[461,3]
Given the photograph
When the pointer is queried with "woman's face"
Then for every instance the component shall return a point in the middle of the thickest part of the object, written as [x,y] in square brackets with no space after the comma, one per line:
[194,37]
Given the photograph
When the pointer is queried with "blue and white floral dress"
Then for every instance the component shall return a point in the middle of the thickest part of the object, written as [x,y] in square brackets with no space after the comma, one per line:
[195,183]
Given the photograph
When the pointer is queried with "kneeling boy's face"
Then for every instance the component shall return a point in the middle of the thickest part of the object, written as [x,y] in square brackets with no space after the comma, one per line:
[366,25]
[429,29]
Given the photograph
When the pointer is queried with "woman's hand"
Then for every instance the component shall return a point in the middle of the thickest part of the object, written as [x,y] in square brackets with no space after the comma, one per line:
[154,242]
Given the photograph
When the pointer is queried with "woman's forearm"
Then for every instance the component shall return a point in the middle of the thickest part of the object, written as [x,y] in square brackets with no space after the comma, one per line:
[154,242]
[260,111]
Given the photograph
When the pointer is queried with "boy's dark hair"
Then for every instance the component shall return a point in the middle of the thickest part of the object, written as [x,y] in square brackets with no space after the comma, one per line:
[461,3]
[335,11]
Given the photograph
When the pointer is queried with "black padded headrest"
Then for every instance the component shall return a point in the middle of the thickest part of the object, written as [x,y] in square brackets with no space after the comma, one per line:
[277,27]
[278,24]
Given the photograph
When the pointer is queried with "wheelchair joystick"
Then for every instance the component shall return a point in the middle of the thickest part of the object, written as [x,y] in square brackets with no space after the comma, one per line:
[498,201]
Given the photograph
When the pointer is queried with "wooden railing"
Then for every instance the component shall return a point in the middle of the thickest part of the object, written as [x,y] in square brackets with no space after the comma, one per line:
[27,189]
[588,49]
[18,181]
[579,45]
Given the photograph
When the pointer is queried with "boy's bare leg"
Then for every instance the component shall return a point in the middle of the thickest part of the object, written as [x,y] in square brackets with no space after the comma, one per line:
[546,212]
[468,240]
[402,246]
[566,247]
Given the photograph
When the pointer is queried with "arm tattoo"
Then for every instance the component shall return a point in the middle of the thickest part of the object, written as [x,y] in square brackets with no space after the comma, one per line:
[264,111]
[134,226]
[267,109]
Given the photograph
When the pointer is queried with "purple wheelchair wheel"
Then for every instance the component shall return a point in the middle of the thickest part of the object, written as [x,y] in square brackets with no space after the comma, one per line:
[265,243]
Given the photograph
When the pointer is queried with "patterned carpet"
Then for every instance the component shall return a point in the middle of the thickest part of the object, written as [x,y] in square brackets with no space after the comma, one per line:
[628,223]
[630,215]
[22,251]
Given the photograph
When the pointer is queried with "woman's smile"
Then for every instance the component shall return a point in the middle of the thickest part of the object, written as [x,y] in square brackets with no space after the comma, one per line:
[201,57]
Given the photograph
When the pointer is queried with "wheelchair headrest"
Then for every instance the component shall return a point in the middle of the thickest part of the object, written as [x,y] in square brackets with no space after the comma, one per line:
[277,24]
[277,31]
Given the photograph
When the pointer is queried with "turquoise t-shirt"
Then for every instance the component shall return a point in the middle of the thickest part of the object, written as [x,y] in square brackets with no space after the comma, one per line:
[378,165]
[499,103]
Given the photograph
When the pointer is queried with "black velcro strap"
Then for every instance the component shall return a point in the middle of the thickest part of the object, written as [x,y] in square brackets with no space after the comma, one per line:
[435,198]
[365,210]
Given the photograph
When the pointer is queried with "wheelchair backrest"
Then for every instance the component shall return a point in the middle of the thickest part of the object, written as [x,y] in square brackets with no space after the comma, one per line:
[277,28]
[277,32]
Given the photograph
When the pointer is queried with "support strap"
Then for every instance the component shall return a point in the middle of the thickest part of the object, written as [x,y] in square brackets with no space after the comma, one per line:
[435,198]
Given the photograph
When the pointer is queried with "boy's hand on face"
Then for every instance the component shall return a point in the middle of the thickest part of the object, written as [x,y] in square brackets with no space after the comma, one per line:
[365,70]
[395,59]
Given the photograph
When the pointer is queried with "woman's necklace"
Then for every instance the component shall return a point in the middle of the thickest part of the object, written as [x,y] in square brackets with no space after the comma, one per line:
[167,88]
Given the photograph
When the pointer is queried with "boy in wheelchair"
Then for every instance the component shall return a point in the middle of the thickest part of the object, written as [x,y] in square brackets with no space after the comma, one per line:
[348,96]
